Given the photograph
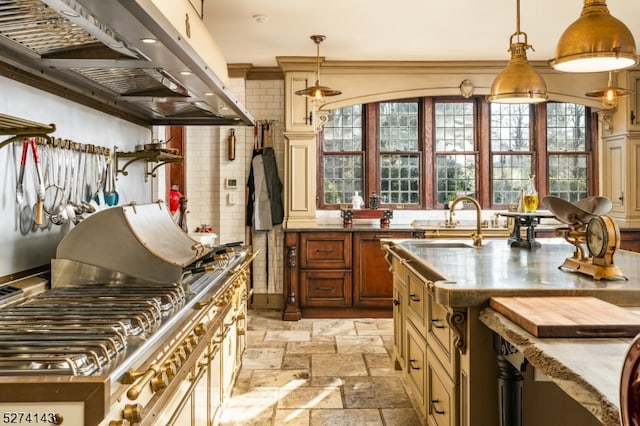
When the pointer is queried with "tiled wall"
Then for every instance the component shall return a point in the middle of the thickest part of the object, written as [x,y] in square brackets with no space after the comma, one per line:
[265,100]
[208,167]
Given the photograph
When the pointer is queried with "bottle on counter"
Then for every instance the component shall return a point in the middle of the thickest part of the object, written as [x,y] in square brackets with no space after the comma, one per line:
[357,202]
[530,196]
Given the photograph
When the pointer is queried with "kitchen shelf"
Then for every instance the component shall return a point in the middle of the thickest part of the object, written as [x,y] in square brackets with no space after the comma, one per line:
[148,156]
[18,128]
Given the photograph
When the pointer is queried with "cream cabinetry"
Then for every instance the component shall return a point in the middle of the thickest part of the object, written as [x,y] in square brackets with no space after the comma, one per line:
[207,364]
[424,346]
[621,165]
[400,295]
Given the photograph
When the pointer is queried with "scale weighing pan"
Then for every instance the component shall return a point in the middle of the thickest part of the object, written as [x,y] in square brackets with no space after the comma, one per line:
[579,212]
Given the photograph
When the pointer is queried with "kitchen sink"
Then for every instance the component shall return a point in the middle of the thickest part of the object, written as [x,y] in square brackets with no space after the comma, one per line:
[443,243]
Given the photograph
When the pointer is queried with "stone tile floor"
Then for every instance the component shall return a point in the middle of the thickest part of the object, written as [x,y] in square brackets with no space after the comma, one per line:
[318,372]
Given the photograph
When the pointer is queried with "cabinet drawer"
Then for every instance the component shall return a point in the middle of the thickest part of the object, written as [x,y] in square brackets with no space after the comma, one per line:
[441,394]
[325,250]
[440,336]
[325,288]
[416,303]
[416,366]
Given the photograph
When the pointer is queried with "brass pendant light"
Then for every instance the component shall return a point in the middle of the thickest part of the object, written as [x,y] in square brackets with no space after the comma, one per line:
[610,95]
[519,82]
[317,93]
[595,42]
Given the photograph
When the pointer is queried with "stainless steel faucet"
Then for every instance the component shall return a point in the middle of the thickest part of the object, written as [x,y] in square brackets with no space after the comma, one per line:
[476,236]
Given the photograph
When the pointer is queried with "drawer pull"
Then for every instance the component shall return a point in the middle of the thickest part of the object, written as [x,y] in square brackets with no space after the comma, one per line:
[412,364]
[396,302]
[414,298]
[435,408]
[324,250]
[324,288]
[436,323]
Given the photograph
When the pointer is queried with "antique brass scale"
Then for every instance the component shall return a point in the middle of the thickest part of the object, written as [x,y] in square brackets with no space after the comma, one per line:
[588,224]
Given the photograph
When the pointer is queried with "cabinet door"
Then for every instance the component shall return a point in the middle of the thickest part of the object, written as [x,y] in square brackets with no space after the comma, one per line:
[440,336]
[441,394]
[215,379]
[326,288]
[415,374]
[325,250]
[615,169]
[372,280]
[399,307]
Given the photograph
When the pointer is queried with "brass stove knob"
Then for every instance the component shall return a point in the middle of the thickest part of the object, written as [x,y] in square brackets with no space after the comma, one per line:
[241,315]
[159,382]
[175,360]
[186,347]
[241,332]
[169,369]
[200,330]
[192,341]
[181,354]
[132,413]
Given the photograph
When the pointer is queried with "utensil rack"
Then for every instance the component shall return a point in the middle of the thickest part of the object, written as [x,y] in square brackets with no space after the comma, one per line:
[149,156]
[18,128]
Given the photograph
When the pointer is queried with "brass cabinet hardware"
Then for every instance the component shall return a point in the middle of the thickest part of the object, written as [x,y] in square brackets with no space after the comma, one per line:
[437,323]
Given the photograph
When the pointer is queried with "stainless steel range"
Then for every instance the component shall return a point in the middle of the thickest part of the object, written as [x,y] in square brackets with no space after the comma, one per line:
[141,325]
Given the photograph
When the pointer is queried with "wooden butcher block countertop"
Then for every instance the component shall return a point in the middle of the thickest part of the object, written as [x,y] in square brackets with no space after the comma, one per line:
[568,316]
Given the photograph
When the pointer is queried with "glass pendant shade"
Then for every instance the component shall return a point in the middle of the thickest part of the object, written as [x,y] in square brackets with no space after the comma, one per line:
[610,95]
[518,82]
[318,93]
[595,42]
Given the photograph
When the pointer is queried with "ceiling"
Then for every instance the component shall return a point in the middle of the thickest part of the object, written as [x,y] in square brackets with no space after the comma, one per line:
[397,30]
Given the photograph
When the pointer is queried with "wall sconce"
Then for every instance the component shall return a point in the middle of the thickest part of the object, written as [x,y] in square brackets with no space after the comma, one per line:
[595,42]
[231,148]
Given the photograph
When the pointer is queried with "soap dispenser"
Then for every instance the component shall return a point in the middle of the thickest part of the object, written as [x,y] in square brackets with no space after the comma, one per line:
[357,202]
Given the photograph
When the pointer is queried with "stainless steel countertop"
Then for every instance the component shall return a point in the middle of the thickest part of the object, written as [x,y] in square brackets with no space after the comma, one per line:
[463,275]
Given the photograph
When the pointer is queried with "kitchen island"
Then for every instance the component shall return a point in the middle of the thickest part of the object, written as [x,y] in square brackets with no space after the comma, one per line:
[447,354]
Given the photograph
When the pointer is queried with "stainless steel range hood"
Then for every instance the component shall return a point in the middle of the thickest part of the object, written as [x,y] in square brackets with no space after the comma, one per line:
[99,53]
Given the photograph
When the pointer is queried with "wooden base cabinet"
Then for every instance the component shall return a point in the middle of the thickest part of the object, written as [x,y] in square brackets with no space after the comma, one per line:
[338,274]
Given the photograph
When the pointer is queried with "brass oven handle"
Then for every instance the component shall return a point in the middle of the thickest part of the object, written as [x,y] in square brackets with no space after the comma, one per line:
[213,351]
